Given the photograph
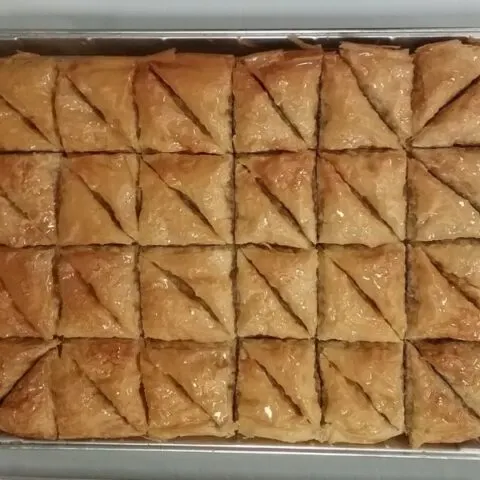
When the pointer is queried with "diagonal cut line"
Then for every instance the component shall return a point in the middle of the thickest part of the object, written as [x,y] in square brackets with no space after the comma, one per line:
[93,293]
[462,195]
[180,103]
[189,203]
[184,392]
[97,111]
[22,213]
[296,408]
[99,391]
[370,301]
[103,203]
[365,202]
[17,307]
[27,121]
[276,293]
[281,208]
[186,289]
[381,115]
[449,385]
[10,390]
[452,280]
[280,111]
[360,390]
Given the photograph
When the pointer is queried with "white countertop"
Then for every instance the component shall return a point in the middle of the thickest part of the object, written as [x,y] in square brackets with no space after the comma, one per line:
[223,14]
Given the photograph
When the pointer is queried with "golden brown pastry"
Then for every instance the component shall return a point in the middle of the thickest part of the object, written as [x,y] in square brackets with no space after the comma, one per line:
[274,200]
[437,211]
[27,199]
[28,303]
[440,303]
[457,363]
[278,391]
[345,216]
[348,120]
[112,367]
[188,389]
[94,104]
[98,200]
[276,100]
[187,293]
[435,413]
[287,179]
[456,124]
[186,199]
[184,103]
[458,168]
[99,292]
[385,75]
[377,179]
[83,409]
[276,292]
[27,408]
[362,293]
[442,70]
[27,84]
[363,390]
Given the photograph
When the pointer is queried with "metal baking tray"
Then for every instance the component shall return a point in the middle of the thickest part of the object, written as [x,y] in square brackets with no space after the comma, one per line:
[239,42]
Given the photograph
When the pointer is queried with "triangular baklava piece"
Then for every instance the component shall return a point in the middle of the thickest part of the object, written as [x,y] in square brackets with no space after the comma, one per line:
[187,293]
[276,292]
[192,201]
[112,365]
[347,313]
[99,293]
[98,200]
[27,121]
[348,120]
[438,212]
[385,75]
[188,389]
[290,81]
[378,178]
[371,370]
[442,70]
[276,207]
[28,304]
[278,391]
[438,305]
[28,409]
[27,199]
[435,414]
[345,216]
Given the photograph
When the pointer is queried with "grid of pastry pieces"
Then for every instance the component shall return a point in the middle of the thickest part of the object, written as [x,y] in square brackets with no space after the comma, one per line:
[163,277]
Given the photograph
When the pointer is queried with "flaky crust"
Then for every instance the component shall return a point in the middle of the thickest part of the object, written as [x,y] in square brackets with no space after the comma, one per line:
[27,199]
[27,84]
[442,70]
[28,303]
[191,199]
[347,119]
[98,200]
[435,413]
[99,293]
[385,75]
[277,390]
[291,80]
[437,307]
[188,389]
[436,211]
[276,292]
[187,293]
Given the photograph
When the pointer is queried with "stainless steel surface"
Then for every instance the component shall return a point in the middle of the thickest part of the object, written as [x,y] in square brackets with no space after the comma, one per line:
[236,458]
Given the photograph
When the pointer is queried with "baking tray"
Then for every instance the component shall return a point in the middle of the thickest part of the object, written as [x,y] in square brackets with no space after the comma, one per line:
[239,42]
